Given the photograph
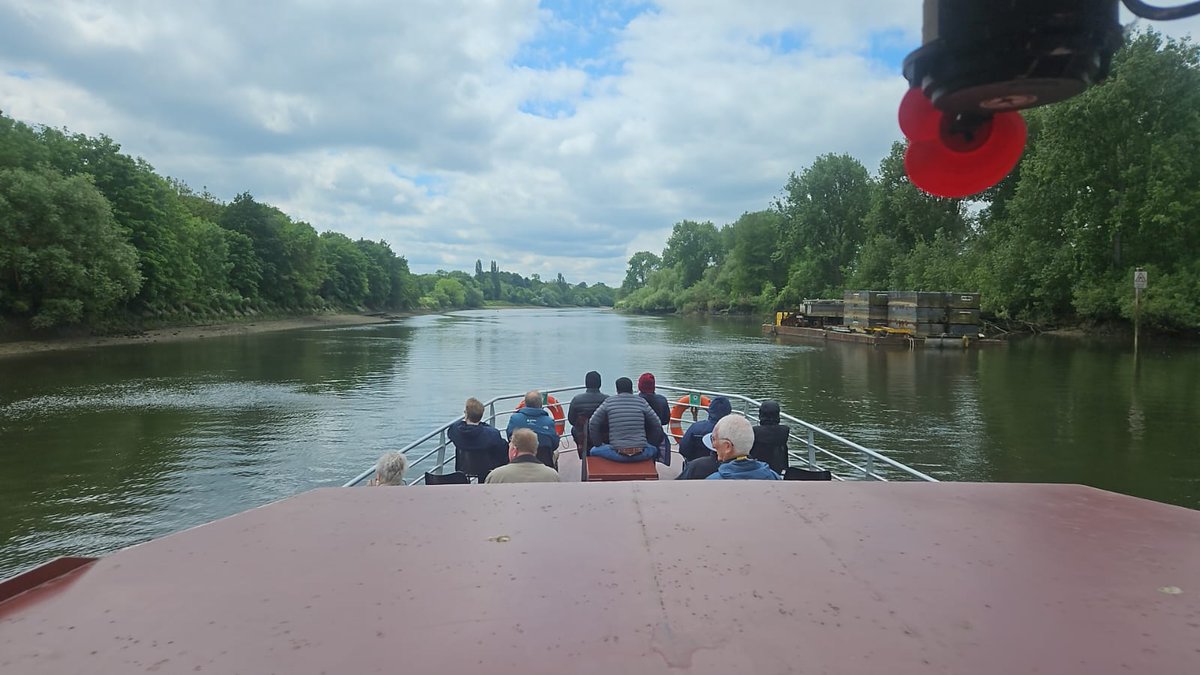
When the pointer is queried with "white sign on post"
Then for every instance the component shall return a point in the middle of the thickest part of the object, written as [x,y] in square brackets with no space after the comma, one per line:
[1139,280]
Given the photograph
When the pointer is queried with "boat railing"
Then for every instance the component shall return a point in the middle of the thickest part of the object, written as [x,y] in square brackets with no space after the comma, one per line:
[811,446]
[817,443]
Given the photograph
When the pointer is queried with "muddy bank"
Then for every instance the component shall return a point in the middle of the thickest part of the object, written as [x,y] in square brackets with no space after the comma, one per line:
[180,333]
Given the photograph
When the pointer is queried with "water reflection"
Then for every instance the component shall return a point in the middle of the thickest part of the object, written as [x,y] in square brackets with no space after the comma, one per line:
[106,447]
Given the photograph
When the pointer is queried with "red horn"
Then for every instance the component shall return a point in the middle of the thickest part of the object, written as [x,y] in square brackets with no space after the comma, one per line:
[960,155]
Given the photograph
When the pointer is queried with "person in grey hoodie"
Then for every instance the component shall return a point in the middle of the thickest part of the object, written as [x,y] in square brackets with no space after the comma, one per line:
[631,428]
[691,446]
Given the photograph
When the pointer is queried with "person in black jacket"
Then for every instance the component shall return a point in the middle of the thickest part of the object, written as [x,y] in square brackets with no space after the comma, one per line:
[658,403]
[771,437]
[582,407]
[478,446]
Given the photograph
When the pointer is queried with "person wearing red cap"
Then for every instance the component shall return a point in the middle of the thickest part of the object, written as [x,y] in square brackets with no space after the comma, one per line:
[658,403]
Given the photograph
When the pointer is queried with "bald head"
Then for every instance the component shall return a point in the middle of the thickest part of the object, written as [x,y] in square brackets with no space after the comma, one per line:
[533,399]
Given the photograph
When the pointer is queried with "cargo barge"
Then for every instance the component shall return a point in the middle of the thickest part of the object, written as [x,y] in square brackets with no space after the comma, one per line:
[907,319]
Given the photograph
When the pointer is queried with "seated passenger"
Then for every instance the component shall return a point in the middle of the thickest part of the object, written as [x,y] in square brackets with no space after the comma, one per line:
[630,428]
[390,468]
[582,407]
[478,447]
[771,437]
[691,445]
[658,403]
[699,468]
[538,420]
[524,467]
[732,439]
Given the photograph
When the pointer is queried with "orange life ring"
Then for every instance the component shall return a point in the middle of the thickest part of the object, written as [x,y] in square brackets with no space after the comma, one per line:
[556,411]
[681,404]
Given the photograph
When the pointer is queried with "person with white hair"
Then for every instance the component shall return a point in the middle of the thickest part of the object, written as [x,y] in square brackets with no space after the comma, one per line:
[732,439]
[390,468]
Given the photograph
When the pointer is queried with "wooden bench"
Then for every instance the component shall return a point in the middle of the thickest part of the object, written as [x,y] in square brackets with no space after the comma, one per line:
[600,469]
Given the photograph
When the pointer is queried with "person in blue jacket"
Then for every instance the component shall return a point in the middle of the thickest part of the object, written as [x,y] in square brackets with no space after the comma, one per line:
[691,445]
[537,419]
[732,439]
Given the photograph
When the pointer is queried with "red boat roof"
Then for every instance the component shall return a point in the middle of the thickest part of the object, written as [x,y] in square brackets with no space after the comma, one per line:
[697,577]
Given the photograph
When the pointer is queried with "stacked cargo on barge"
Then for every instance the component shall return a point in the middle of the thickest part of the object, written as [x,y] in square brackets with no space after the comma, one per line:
[904,318]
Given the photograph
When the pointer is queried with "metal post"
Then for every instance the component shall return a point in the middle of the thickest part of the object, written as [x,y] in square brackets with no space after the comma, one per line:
[812,450]
[1139,284]
[870,467]
[441,460]
[492,413]
[1137,318]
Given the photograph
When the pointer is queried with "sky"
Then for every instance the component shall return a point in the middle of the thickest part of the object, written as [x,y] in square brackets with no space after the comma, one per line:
[556,136]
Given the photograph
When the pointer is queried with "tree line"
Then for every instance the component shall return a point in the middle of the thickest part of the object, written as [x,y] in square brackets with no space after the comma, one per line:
[1110,182]
[91,236]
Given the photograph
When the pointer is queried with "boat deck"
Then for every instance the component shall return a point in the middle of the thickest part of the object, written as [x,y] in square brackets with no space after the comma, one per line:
[649,577]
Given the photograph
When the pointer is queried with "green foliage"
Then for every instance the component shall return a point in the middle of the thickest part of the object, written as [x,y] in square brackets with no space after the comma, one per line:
[89,235]
[823,210]
[1110,180]
[691,248]
[62,256]
[347,268]
[641,265]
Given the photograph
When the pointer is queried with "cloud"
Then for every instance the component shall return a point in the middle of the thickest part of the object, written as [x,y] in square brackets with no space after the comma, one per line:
[552,137]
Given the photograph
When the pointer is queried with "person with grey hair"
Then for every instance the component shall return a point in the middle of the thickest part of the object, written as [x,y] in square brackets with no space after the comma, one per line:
[390,468]
[732,439]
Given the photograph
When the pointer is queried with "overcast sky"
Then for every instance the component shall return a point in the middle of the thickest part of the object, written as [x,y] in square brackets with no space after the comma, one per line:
[552,137]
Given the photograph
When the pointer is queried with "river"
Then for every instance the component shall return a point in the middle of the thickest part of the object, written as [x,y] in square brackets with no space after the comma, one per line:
[102,448]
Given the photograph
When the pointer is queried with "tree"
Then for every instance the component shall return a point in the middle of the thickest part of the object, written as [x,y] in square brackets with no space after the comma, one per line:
[641,264]
[905,214]
[752,262]
[691,248]
[347,281]
[63,258]
[823,210]
[1112,182]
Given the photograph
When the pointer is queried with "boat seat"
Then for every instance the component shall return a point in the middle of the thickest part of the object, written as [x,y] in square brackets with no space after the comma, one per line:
[455,478]
[796,473]
[600,469]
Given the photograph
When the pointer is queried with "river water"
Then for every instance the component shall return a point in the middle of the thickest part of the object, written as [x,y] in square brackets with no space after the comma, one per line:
[102,448]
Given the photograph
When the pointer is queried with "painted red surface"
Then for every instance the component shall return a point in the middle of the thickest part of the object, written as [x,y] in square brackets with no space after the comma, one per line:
[600,469]
[642,577]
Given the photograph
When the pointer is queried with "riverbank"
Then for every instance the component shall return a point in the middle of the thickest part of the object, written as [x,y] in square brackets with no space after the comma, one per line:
[181,333]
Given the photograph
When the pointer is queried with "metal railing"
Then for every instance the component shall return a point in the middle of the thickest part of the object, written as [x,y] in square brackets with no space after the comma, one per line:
[813,447]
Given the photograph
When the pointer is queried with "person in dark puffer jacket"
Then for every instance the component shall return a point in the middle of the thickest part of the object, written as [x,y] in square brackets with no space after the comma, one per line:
[771,437]
[631,428]
[583,406]
[691,446]
[536,418]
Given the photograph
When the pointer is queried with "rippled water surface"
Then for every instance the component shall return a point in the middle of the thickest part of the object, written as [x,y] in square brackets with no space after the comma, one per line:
[107,447]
